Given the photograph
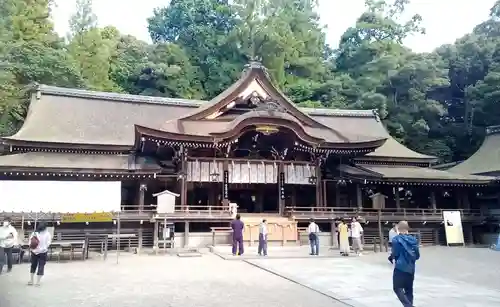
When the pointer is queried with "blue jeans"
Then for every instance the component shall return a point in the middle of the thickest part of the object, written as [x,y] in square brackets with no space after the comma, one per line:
[402,284]
[262,244]
[314,242]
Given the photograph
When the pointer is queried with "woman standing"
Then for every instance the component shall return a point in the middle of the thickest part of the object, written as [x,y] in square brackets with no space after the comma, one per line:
[39,245]
[343,238]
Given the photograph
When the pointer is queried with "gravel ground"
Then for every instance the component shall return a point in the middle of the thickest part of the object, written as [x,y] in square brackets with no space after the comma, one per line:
[156,281]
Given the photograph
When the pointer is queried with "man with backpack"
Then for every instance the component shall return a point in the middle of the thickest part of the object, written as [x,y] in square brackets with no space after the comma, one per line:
[405,252]
[40,242]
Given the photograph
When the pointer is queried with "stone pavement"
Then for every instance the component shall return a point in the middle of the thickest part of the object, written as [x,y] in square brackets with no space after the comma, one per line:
[456,277]
[275,252]
[152,281]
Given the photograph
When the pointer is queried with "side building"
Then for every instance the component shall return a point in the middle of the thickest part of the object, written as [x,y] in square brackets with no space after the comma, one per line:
[249,146]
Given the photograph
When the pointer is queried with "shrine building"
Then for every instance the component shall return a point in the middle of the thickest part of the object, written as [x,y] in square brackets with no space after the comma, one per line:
[250,148]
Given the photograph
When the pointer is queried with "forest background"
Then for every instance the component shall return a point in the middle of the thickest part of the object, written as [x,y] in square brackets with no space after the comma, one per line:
[437,103]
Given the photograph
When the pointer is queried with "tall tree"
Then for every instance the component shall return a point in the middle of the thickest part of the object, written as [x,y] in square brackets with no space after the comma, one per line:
[201,28]
[92,47]
[30,52]
[83,19]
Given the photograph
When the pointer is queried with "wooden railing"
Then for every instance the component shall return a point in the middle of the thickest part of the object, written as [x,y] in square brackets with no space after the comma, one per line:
[339,212]
[188,209]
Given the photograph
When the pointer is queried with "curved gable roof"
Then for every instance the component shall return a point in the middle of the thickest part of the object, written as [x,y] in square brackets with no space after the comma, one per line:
[62,116]
[486,160]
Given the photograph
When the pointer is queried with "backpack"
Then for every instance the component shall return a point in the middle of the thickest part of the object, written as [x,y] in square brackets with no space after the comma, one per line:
[34,241]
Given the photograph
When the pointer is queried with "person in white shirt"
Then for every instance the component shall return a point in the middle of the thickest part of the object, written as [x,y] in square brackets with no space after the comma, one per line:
[313,231]
[392,234]
[263,238]
[8,239]
[39,244]
[356,233]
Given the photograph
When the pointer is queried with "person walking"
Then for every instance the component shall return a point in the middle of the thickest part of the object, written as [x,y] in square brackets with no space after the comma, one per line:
[263,238]
[392,233]
[40,242]
[8,239]
[237,226]
[405,252]
[344,238]
[313,231]
[356,233]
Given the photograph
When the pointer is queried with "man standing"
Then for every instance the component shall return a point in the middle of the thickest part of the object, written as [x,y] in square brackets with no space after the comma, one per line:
[405,252]
[263,238]
[392,234]
[8,238]
[356,233]
[313,231]
[238,227]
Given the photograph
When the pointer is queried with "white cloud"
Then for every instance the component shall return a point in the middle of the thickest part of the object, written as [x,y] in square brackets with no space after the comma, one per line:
[445,20]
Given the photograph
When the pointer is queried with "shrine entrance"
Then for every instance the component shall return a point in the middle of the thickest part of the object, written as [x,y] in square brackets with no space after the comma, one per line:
[255,198]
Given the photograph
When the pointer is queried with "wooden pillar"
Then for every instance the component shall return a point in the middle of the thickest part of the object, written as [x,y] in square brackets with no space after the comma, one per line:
[281,188]
[325,200]
[359,197]
[433,200]
[337,196]
[396,197]
[155,235]
[142,192]
[140,239]
[319,193]
[465,200]
[458,197]
[186,233]
[183,178]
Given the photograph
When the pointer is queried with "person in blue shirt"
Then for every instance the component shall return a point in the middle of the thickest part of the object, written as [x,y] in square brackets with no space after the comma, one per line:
[405,252]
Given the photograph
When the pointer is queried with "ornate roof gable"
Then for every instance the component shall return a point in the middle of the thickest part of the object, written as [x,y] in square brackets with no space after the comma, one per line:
[256,91]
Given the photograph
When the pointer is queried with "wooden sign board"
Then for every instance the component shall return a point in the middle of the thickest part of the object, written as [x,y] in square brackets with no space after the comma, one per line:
[87,217]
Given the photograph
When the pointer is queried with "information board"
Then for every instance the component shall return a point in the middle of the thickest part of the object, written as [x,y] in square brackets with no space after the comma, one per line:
[453,227]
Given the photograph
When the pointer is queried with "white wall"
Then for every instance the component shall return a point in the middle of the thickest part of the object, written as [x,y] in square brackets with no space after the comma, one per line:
[60,196]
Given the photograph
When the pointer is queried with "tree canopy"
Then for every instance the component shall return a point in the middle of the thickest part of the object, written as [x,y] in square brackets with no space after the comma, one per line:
[437,103]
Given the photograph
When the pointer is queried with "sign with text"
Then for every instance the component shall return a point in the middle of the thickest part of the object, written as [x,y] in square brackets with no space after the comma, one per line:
[453,227]
[225,185]
[282,185]
[87,217]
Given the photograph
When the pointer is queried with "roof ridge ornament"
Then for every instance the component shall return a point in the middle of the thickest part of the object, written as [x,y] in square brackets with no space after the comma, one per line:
[256,63]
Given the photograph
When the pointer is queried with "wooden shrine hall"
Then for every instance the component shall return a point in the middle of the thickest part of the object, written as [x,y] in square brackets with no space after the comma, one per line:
[250,149]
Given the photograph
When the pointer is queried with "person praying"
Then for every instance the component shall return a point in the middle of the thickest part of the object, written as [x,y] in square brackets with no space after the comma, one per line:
[237,226]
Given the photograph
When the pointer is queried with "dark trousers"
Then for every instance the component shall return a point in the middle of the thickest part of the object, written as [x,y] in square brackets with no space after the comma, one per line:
[6,258]
[402,284]
[38,262]
[262,244]
[238,245]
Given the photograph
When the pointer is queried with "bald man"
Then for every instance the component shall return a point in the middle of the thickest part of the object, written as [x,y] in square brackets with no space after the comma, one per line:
[405,252]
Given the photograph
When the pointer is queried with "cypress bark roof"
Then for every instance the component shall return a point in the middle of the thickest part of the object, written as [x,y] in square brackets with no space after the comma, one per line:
[486,160]
[61,117]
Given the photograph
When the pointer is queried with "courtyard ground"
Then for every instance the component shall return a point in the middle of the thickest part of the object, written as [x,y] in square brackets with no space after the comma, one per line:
[446,276]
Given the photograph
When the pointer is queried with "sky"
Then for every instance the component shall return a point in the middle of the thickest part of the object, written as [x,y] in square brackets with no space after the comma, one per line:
[444,20]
